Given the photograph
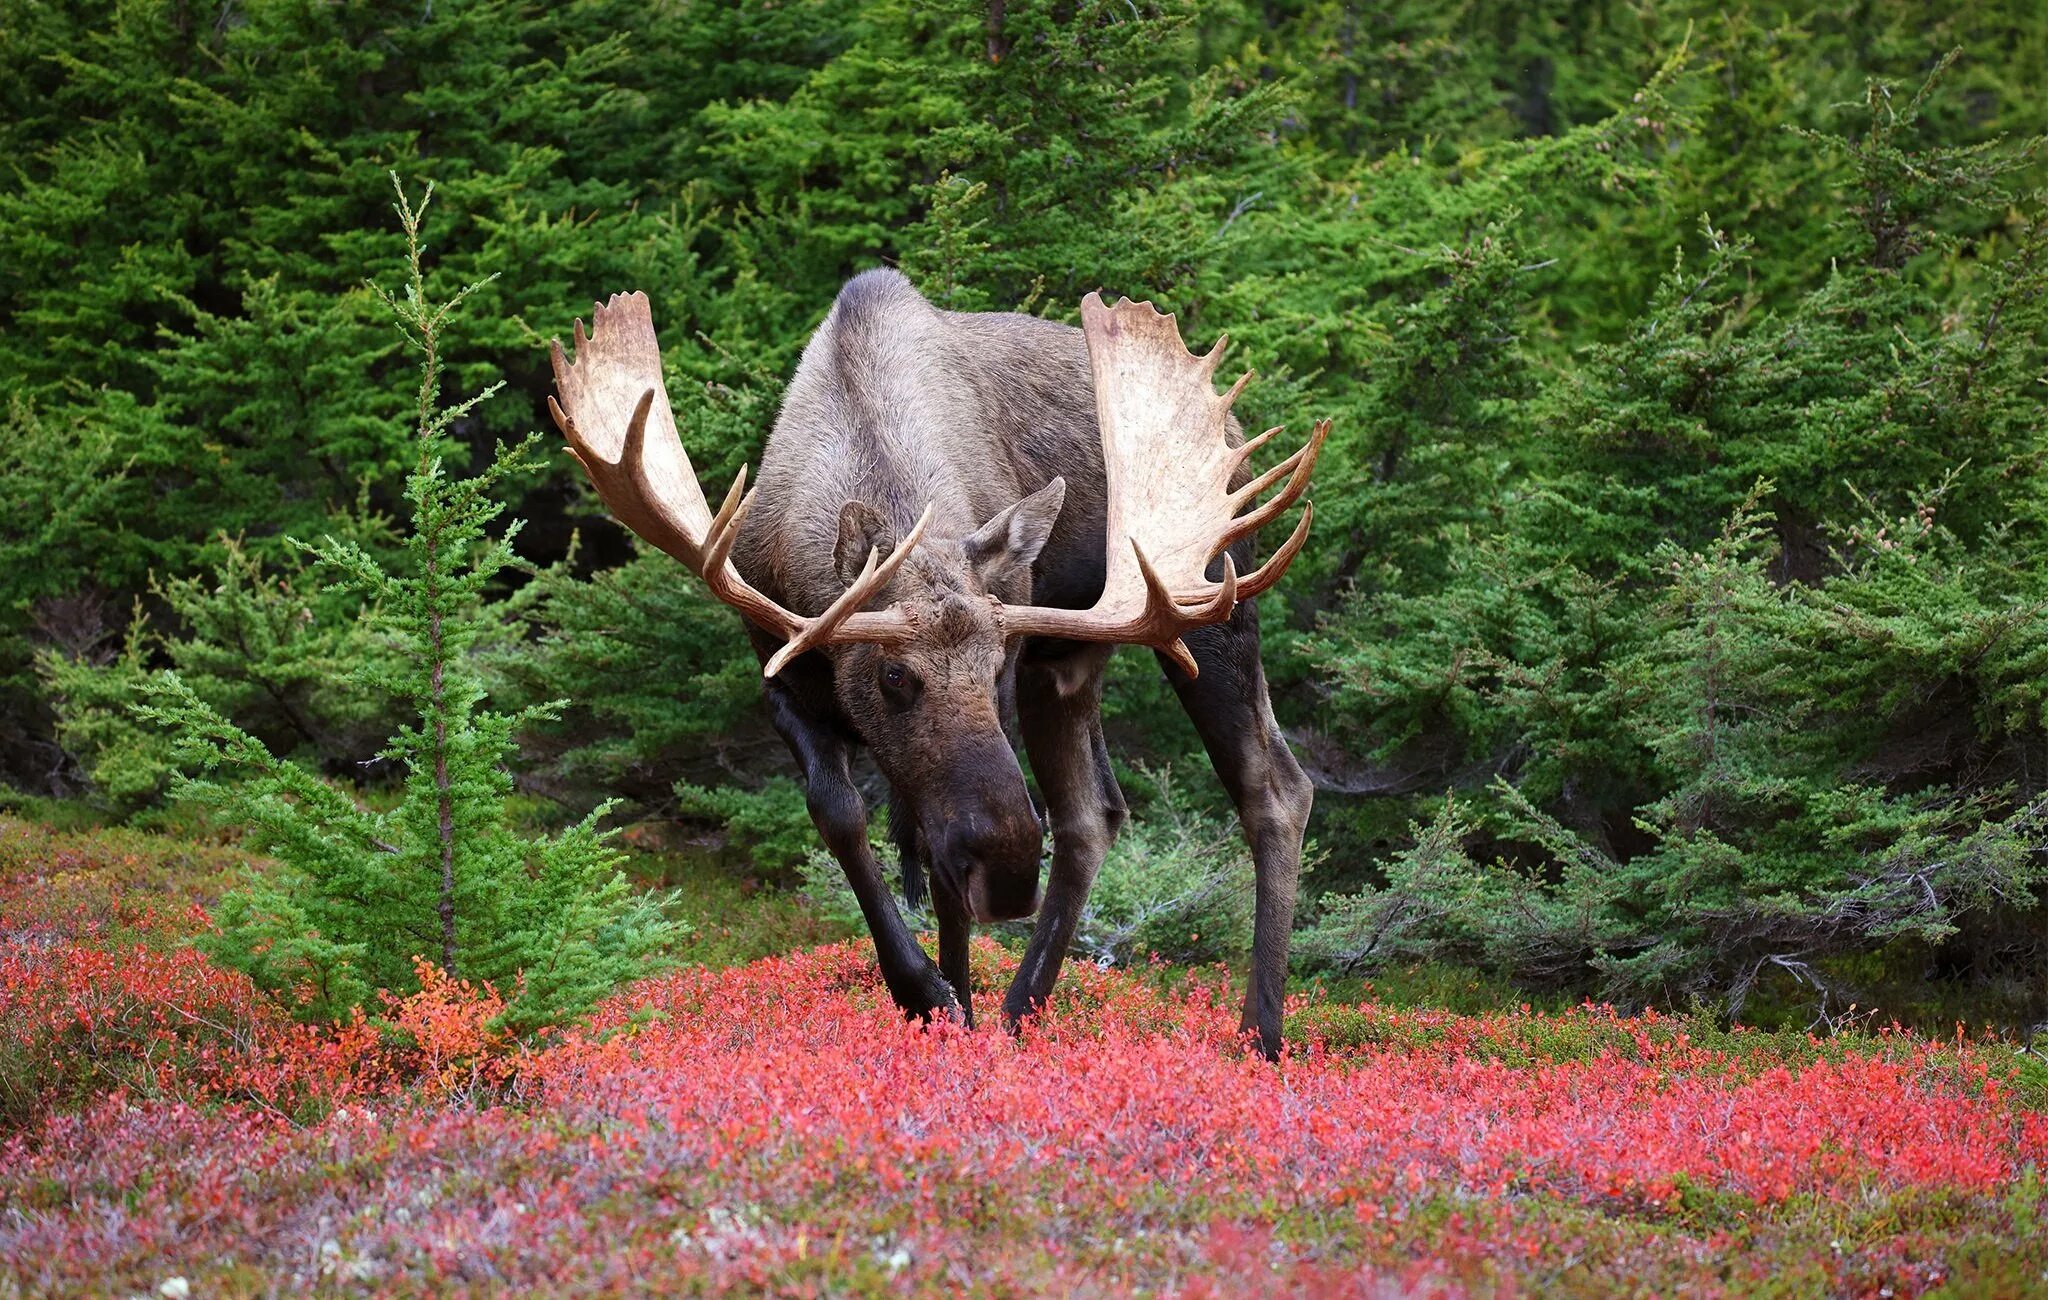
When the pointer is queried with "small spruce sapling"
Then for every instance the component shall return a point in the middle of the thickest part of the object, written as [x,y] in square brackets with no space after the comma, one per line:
[358,894]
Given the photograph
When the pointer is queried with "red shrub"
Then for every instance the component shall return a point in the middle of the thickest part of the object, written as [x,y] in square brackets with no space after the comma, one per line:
[75,885]
[135,1022]
[1135,1087]
[779,1127]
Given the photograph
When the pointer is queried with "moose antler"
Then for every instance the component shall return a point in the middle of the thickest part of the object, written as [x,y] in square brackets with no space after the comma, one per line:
[1168,464]
[609,396]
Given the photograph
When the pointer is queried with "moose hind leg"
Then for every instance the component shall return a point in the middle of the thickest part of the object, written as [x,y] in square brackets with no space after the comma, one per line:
[842,821]
[1059,711]
[1232,713]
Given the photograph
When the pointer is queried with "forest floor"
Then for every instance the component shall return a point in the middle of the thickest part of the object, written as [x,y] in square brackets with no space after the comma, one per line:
[761,1120]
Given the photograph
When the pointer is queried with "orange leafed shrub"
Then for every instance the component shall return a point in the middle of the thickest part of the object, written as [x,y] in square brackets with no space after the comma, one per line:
[449,1021]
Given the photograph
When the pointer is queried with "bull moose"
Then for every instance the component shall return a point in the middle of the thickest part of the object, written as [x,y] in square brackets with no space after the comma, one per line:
[958,517]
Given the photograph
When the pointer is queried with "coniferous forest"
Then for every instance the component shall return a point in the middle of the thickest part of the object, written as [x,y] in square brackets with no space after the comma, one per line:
[1669,654]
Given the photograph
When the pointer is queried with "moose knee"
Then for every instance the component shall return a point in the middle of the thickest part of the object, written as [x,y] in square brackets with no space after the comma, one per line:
[1278,807]
[1294,794]
[1085,835]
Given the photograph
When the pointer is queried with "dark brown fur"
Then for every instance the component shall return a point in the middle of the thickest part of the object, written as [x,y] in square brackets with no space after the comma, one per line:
[895,405]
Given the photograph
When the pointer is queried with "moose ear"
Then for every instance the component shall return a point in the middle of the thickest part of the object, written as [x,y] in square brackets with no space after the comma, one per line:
[1008,543]
[861,529]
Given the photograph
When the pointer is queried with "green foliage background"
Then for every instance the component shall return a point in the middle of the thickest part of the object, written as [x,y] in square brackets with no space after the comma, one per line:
[1674,621]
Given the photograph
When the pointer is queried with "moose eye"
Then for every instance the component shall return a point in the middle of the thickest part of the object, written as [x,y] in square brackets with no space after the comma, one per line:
[898,684]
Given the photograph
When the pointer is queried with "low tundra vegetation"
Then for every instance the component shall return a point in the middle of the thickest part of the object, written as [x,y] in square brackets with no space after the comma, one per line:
[775,1124]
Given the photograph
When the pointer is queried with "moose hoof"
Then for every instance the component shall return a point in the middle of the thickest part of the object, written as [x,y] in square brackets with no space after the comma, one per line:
[1017,1008]
[927,996]
[1266,1043]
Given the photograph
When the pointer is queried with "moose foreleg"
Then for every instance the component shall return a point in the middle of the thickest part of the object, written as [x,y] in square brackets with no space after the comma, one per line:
[1234,716]
[956,927]
[842,821]
[1059,711]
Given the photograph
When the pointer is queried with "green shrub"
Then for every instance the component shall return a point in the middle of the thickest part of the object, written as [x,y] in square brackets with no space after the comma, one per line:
[1177,883]
[1737,674]
[263,644]
[772,825]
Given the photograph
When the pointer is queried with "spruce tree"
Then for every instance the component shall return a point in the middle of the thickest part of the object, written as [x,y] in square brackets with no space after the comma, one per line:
[1737,685]
[358,895]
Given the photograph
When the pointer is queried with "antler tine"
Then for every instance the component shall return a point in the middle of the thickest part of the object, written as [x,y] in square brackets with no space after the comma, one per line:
[559,365]
[1214,356]
[564,423]
[1203,608]
[1167,613]
[1257,487]
[813,633]
[904,547]
[1229,398]
[1276,565]
[634,455]
[732,508]
[840,621]
[1158,604]
[1299,467]
[725,530]
[1251,445]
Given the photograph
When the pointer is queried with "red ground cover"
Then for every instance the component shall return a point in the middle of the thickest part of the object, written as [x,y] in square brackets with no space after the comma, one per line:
[778,1126]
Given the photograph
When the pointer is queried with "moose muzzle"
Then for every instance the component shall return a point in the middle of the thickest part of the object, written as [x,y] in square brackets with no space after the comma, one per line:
[990,858]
